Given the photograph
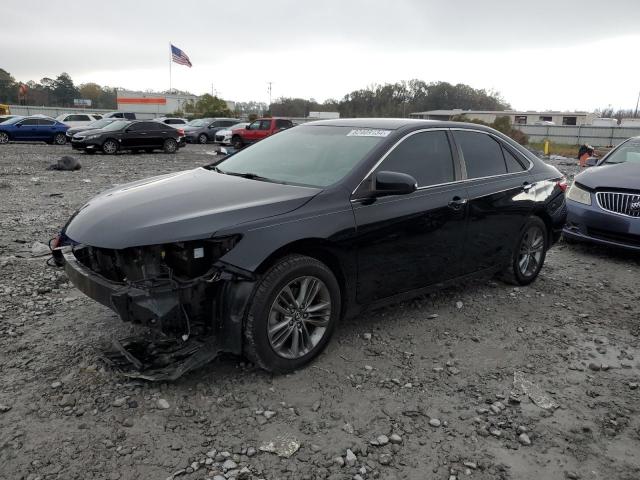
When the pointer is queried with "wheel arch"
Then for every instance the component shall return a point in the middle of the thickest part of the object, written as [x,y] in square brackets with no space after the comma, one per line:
[321,250]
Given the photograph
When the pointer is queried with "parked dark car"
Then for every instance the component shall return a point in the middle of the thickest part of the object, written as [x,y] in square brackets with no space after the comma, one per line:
[203,130]
[92,126]
[33,129]
[604,201]
[134,136]
[264,252]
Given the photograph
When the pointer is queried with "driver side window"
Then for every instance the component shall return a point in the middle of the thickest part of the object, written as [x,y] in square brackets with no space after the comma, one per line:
[255,125]
[426,156]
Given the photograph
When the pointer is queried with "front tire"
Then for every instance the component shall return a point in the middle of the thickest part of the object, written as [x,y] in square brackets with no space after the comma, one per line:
[203,139]
[170,146]
[4,137]
[60,139]
[529,253]
[110,147]
[237,142]
[292,315]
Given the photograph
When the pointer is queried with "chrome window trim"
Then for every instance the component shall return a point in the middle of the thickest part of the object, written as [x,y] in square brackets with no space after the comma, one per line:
[436,129]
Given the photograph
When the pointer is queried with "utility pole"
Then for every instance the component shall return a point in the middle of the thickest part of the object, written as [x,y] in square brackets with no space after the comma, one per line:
[635,114]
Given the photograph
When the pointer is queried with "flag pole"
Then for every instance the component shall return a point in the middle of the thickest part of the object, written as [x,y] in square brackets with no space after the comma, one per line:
[170,59]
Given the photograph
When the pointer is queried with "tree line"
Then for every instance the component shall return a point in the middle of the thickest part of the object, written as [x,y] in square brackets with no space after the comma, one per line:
[395,100]
[388,100]
[54,92]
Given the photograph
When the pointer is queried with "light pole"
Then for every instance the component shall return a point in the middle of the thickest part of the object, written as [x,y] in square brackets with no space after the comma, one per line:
[637,102]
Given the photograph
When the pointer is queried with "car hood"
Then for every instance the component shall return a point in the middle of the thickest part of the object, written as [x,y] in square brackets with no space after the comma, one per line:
[621,175]
[80,128]
[181,206]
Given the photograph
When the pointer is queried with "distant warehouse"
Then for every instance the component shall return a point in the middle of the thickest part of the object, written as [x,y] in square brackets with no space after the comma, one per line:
[516,117]
[151,105]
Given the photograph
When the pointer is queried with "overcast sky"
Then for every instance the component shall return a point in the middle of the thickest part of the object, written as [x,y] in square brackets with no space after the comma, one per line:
[542,54]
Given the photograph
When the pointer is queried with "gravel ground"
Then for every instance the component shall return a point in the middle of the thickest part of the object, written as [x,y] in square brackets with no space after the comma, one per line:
[419,390]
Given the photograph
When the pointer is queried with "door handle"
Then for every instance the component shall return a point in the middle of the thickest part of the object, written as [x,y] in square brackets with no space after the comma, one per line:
[526,186]
[457,203]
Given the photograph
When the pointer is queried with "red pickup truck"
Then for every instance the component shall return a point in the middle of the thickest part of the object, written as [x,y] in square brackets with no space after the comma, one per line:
[257,130]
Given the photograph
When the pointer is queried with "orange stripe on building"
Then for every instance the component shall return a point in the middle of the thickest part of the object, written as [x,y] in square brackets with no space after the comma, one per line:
[143,101]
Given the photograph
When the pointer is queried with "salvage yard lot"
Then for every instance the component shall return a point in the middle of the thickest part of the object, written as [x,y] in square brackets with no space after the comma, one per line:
[432,376]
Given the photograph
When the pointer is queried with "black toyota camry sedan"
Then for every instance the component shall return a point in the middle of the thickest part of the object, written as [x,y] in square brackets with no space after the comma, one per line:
[134,136]
[265,251]
[604,201]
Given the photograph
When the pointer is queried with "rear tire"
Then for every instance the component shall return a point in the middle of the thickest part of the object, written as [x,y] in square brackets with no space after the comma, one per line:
[170,146]
[203,139]
[292,315]
[237,142]
[60,139]
[110,147]
[4,137]
[528,254]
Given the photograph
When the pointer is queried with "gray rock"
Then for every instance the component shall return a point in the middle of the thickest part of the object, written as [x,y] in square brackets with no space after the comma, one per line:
[471,465]
[459,304]
[269,414]
[118,402]
[251,452]
[524,439]
[39,249]
[4,408]
[633,385]
[395,438]
[495,432]
[229,465]
[434,422]
[347,427]
[339,461]
[162,404]
[350,458]
[366,336]
[594,366]
[382,440]
[385,459]
[56,384]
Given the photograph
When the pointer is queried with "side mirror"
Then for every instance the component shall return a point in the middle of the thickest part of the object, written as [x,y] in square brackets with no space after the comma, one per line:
[393,183]
[247,127]
[592,161]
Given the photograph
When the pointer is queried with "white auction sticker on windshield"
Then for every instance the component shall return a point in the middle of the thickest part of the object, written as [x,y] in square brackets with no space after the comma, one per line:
[368,132]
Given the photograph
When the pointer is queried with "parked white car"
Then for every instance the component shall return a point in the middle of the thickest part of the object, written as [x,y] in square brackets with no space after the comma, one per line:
[224,136]
[77,119]
[173,121]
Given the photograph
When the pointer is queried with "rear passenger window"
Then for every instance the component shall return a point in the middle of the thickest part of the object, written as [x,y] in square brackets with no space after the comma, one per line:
[44,121]
[426,156]
[513,164]
[482,154]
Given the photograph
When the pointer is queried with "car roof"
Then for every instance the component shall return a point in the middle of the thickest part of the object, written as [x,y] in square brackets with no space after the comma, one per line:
[393,123]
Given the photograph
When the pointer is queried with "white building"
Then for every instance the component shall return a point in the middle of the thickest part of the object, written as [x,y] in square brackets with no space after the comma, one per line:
[516,117]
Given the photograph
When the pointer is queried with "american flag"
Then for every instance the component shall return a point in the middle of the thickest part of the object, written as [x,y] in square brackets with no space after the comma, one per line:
[179,56]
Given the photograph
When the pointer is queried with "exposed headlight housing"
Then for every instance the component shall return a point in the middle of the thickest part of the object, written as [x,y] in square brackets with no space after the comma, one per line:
[579,195]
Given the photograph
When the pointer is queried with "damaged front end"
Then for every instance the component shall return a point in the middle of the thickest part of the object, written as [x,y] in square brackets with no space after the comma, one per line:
[182,290]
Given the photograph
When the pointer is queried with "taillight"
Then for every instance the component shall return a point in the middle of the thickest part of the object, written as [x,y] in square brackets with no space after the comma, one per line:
[562,184]
[180,132]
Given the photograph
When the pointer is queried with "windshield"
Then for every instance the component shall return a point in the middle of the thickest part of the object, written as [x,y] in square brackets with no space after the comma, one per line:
[627,152]
[117,125]
[101,123]
[200,122]
[307,155]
